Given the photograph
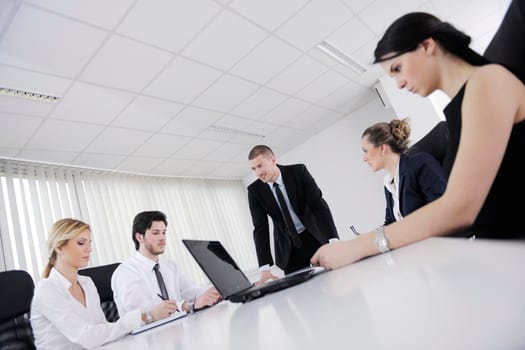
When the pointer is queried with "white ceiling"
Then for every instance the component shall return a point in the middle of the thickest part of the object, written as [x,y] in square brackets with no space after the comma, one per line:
[142,81]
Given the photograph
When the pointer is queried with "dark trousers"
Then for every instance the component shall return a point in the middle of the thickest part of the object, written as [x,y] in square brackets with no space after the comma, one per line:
[300,257]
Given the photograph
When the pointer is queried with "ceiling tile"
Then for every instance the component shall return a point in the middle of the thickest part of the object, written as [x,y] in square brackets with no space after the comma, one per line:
[304,120]
[314,22]
[286,111]
[216,135]
[58,45]
[148,114]
[116,64]
[233,122]
[225,93]
[8,152]
[298,75]
[323,86]
[351,37]
[89,11]
[139,164]
[103,161]
[17,78]
[170,24]
[224,41]
[20,105]
[226,152]
[262,63]
[47,156]
[63,136]
[340,97]
[90,103]
[201,169]
[17,129]
[182,81]
[269,13]
[358,5]
[172,167]
[231,170]
[380,14]
[191,121]
[161,145]
[259,103]
[286,138]
[197,149]
[365,54]
[118,141]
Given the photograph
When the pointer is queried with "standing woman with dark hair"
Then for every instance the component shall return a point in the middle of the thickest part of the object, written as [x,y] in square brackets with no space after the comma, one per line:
[411,181]
[65,311]
[487,138]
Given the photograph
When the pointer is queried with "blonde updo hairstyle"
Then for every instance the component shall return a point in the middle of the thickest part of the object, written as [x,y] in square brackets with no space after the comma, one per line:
[60,233]
[395,134]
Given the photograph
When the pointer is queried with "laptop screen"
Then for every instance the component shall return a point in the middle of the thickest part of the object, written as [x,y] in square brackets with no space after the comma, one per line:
[218,265]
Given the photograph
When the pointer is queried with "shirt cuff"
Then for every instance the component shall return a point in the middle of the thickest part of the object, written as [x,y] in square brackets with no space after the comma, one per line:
[265,268]
[332,240]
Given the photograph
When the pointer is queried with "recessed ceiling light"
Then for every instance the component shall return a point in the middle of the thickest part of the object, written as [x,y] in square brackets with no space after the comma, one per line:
[227,130]
[35,96]
[341,57]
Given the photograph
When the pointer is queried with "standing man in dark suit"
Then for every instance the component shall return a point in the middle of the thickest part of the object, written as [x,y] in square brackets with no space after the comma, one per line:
[302,221]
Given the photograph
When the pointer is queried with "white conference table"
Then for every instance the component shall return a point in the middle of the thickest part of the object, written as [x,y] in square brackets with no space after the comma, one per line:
[441,293]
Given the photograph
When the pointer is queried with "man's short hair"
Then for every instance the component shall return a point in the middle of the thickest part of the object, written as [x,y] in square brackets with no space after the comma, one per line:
[258,150]
[143,221]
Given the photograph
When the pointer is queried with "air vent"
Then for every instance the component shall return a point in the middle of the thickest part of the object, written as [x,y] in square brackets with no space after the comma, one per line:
[227,130]
[341,57]
[35,96]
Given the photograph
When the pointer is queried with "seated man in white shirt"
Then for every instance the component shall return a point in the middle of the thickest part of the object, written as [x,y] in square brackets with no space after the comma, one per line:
[136,284]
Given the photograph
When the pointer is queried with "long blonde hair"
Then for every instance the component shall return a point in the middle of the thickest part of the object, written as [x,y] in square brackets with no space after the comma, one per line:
[60,233]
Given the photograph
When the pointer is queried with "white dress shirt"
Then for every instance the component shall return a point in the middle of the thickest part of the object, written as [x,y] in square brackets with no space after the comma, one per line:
[392,185]
[135,285]
[61,322]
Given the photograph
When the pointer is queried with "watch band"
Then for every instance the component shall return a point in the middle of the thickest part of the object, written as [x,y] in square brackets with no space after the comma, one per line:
[381,241]
[191,305]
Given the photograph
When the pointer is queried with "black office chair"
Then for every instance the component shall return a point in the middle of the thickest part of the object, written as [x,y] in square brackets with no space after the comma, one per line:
[507,47]
[434,142]
[16,293]
[101,276]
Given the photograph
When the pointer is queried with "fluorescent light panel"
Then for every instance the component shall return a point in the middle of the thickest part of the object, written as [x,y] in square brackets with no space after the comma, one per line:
[35,96]
[227,130]
[341,57]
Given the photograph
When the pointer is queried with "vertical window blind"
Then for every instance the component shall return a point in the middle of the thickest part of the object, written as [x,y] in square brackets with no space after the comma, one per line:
[33,196]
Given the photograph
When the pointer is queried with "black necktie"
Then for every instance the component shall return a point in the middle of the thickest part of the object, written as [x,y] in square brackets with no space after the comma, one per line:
[296,240]
[160,280]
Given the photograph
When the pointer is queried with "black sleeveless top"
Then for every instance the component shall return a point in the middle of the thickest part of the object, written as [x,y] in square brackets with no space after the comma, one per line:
[501,215]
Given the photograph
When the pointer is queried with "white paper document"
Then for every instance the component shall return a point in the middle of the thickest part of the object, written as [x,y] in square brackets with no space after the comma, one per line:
[151,325]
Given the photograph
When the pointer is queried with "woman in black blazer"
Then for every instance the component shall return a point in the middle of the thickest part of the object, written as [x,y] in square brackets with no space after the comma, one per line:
[411,181]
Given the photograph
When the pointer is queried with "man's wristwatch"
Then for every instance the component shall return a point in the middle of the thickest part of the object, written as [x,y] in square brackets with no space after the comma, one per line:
[381,241]
[149,318]
[191,305]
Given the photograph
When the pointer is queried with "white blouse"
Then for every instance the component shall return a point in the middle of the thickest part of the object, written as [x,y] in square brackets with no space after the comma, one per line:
[60,321]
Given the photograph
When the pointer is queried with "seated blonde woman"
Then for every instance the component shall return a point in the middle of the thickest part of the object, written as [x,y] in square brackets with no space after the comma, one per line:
[66,312]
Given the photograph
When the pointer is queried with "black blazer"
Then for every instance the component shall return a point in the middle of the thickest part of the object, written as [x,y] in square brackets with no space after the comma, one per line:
[421,181]
[308,203]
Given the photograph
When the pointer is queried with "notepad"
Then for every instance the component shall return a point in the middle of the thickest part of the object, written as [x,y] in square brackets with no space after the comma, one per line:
[172,317]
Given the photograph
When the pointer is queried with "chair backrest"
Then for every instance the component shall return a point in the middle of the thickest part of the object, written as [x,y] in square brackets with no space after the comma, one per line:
[16,293]
[507,47]
[434,142]
[101,276]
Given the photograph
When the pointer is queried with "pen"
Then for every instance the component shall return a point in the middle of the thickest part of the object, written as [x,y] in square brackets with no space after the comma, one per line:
[354,230]
[160,296]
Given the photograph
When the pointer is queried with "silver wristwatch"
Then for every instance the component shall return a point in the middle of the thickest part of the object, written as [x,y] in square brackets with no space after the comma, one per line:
[381,241]
[149,318]
[191,305]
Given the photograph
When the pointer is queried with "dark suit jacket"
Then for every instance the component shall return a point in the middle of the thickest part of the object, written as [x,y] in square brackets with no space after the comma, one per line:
[421,181]
[307,202]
